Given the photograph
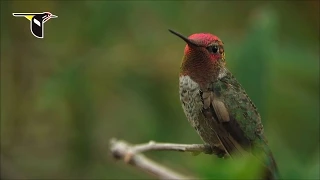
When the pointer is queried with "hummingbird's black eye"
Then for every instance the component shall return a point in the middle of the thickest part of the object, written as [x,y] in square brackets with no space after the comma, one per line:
[213,49]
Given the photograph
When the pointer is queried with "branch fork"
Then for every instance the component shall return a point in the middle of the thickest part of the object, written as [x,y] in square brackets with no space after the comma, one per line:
[132,154]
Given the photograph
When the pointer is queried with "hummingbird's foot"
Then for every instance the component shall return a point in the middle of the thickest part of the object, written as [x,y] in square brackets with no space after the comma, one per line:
[222,155]
[219,152]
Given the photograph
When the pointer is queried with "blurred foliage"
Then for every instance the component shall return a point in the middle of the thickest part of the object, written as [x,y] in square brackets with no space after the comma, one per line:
[110,69]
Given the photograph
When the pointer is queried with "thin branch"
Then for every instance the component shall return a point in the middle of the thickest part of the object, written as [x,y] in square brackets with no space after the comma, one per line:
[153,146]
[123,150]
[132,154]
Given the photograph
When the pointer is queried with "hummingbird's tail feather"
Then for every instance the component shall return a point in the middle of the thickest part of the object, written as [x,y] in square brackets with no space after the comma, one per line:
[230,146]
[270,169]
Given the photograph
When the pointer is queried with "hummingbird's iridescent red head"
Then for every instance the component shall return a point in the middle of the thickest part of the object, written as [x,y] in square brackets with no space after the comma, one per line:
[203,58]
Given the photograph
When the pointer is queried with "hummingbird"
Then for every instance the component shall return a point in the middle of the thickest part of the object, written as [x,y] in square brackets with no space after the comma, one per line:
[217,106]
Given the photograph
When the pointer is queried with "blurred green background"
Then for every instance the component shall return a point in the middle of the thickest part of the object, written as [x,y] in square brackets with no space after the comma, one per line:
[110,69]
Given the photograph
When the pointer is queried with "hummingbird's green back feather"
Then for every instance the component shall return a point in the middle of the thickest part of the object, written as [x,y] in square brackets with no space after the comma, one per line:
[239,123]
[239,106]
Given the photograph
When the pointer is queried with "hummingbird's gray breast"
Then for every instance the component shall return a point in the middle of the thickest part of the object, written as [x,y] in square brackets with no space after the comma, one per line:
[192,104]
[190,99]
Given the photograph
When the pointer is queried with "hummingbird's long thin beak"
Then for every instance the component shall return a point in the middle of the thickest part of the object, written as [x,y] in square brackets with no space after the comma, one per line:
[188,41]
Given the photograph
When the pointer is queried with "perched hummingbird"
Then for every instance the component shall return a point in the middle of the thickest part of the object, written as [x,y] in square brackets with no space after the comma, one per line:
[216,104]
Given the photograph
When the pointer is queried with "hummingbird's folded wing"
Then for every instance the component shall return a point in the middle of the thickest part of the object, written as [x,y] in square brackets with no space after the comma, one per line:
[235,118]
[226,127]
[238,123]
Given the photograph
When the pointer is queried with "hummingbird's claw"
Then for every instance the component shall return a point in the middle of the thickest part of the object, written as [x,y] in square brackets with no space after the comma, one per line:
[219,152]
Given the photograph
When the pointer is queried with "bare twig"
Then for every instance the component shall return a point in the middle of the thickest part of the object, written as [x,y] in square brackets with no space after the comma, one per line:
[123,150]
[153,146]
[132,155]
